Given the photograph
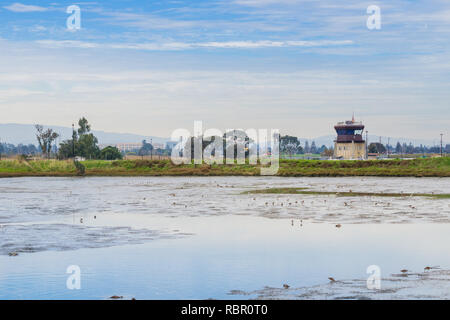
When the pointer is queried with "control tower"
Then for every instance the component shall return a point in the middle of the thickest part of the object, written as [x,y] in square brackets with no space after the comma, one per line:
[349,143]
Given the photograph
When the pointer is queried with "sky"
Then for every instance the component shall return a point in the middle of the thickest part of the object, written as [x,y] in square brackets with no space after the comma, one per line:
[300,66]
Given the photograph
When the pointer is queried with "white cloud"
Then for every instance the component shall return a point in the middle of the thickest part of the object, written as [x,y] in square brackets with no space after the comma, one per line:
[185,45]
[19,7]
[67,44]
[261,3]
[38,28]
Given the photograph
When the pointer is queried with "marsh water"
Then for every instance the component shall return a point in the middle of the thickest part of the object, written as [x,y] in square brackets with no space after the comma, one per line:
[205,237]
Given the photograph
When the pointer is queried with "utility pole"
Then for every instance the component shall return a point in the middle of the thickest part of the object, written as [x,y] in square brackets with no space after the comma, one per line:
[379,151]
[367,144]
[73,140]
[441,143]
[151,150]
[387,147]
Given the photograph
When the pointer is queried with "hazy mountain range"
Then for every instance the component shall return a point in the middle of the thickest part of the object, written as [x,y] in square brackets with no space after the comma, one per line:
[26,133]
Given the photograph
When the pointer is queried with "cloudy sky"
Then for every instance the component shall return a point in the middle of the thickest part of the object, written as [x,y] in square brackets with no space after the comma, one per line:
[149,67]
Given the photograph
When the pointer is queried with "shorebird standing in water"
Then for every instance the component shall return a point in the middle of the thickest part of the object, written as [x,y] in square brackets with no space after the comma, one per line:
[429,268]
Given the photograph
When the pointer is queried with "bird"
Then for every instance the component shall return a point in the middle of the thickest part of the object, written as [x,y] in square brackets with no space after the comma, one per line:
[286,286]
[403,271]
[331,279]
[338,225]
[116,297]
[13,254]
[81,220]
[429,268]
[95,217]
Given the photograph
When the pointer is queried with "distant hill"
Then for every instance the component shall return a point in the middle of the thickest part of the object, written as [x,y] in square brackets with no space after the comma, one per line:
[26,133]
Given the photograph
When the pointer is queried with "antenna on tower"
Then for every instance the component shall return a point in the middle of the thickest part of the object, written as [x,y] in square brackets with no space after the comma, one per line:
[353,116]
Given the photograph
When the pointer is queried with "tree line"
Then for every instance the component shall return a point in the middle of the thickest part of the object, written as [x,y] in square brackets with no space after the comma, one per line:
[291,145]
[82,144]
[403,148]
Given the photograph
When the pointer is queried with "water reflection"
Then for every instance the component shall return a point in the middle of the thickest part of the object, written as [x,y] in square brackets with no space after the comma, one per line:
[199,238]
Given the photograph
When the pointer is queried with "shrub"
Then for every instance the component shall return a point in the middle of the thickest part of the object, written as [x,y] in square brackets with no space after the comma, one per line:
[81,170]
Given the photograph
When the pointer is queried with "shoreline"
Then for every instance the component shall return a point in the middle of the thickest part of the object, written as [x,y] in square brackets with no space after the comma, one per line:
[431,167]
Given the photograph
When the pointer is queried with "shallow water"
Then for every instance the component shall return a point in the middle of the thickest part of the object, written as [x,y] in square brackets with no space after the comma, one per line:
[202,237]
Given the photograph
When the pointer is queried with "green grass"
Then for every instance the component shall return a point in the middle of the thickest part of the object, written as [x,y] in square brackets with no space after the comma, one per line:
[345,194]
[431,167]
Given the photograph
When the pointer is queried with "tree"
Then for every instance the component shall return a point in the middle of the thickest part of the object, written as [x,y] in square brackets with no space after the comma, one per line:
[146,148]
[87,146]
[84,126]
[83,143]
[322,149]
[376,147]
[290,145]
[398,148]
[313,148]
[410,148]
[110,153]
[373,148]
[307,148]
[327,152]
[65,150]
[45,139]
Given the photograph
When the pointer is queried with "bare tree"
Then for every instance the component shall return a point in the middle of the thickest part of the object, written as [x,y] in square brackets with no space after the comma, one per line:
[45,139]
